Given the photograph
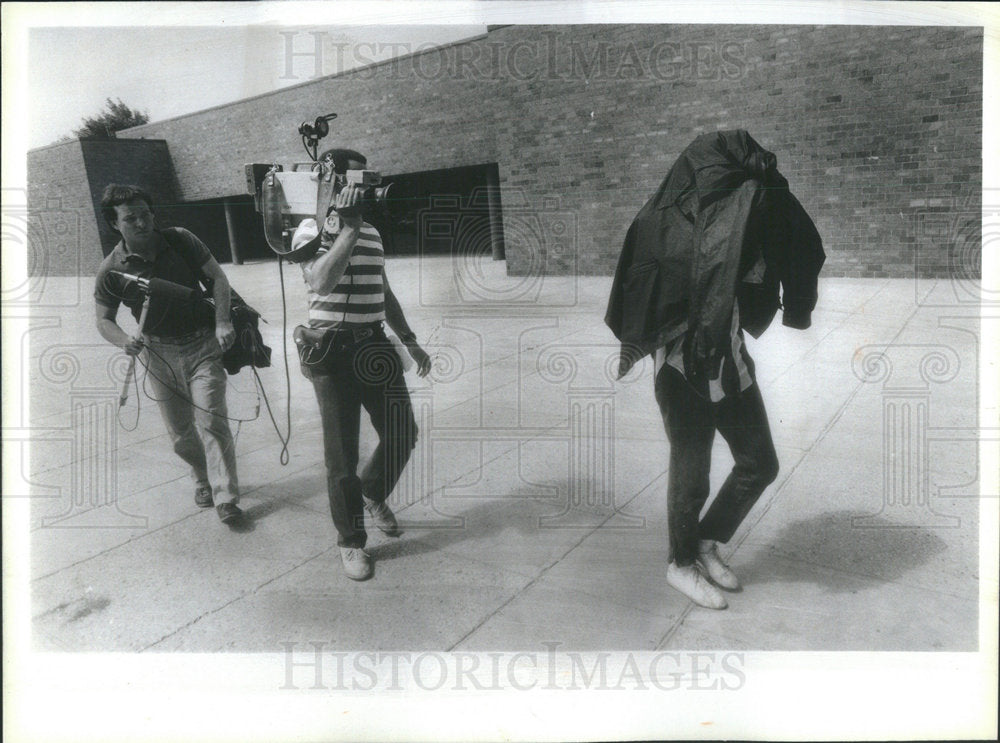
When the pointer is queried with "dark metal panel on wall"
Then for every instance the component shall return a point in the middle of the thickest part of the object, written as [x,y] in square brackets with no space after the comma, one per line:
[230,227]
[467,195]
[143,162]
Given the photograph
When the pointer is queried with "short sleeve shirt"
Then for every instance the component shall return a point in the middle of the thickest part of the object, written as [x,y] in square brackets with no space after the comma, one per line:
[358,300]
[179,259]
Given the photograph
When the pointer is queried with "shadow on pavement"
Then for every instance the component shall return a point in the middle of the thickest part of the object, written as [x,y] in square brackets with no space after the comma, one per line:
[498,522]
[268,502]
[884,551]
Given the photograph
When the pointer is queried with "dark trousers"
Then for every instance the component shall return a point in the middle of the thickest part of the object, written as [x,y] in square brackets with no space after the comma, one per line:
[345,378]
[691,421]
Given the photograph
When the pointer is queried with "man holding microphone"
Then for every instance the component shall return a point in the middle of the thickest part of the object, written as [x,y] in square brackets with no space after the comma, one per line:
[183,341]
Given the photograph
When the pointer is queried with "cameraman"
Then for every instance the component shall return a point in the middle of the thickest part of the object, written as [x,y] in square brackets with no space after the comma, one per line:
[184,344]
[351,363]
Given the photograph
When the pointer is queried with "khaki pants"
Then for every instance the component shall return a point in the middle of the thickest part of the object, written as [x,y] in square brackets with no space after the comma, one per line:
[188,382]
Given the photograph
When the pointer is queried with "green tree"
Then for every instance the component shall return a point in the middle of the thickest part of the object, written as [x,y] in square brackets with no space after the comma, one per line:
[115,116]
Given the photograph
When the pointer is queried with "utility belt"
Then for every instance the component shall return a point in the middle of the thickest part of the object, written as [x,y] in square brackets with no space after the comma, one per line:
[315,344]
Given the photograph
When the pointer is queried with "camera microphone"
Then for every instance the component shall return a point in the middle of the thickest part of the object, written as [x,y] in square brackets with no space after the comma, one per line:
[318,128]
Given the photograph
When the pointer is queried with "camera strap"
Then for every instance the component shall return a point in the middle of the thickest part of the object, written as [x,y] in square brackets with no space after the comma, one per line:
[249,348]
[203,279]
[271,198]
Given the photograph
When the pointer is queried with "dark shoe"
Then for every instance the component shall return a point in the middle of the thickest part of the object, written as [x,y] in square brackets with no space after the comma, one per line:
[357,563]
[382,516]
[229,513]
[203,497]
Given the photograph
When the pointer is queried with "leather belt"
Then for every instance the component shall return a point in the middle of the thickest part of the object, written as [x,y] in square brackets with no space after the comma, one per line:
[334,337]
[351,335]
[177,340]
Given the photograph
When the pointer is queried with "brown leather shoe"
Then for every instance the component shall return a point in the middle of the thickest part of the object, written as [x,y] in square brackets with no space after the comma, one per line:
[229,513]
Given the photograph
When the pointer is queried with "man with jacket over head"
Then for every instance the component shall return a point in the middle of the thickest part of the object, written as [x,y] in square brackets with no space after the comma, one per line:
[702,262]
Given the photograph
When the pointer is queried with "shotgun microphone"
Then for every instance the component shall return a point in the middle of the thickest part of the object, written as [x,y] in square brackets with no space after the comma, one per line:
[161,288]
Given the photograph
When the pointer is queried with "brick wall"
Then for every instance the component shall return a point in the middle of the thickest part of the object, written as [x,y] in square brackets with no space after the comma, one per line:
[71,176]
[878,130]
[63,239]
[402,123]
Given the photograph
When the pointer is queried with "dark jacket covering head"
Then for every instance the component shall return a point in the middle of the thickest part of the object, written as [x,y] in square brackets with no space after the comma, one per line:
[722,206]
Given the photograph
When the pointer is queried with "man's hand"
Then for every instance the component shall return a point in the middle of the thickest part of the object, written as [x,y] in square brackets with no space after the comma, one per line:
[225,334]
[133,346]
[347,204]
[421,357]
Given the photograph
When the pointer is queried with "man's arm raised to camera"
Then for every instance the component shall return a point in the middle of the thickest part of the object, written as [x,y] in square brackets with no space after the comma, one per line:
[327,270]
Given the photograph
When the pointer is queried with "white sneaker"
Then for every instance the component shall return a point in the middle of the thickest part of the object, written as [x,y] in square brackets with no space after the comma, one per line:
[357,563]
[688,580]
[718,571]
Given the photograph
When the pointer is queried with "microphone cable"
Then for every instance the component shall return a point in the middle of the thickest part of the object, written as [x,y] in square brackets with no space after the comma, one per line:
[175,389]
[283,457]
[285,438]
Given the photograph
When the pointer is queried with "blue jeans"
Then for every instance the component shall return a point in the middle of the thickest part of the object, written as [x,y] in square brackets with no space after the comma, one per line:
[347,376]
[691,422]
[186,372]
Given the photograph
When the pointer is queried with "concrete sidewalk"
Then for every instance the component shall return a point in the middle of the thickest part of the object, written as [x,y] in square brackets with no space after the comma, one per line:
[534,507]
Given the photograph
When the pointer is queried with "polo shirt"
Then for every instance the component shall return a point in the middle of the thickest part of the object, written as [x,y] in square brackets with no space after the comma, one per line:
[179,259]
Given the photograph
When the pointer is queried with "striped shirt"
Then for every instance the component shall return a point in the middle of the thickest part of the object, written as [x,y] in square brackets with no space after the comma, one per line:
[735,373]
[359,297]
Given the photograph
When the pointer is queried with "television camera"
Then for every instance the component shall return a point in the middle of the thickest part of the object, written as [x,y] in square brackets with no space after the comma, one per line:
[286,197]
